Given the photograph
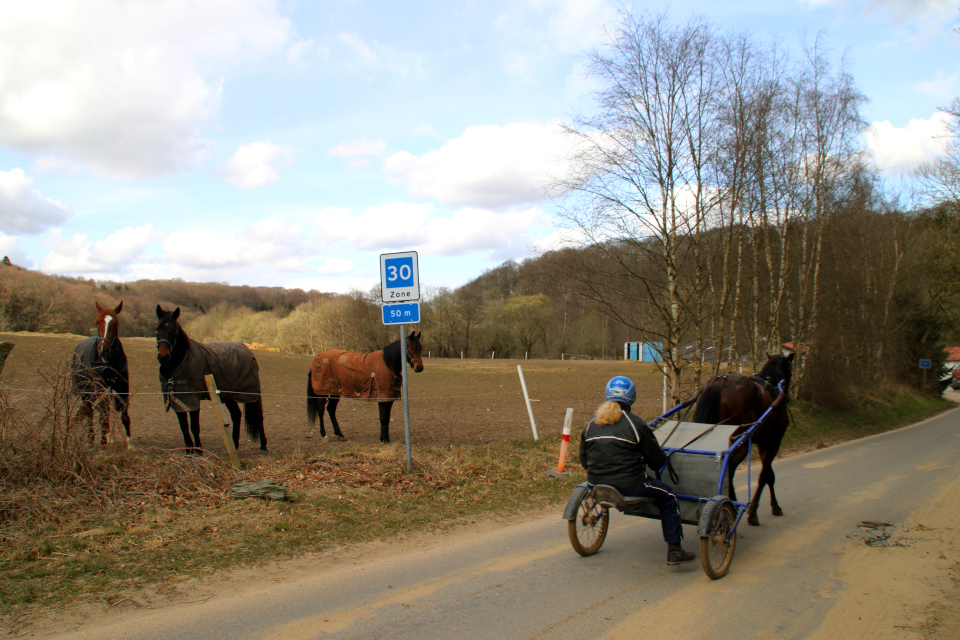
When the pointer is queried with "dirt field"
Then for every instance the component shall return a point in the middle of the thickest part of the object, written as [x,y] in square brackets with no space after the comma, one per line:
[451,401]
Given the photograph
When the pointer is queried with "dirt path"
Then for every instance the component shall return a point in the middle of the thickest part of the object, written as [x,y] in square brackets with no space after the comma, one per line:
[907,586]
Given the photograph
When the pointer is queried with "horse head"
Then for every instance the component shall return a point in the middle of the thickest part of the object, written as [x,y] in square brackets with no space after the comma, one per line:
[108,328]
[169,333]
[415,351]
[778,368]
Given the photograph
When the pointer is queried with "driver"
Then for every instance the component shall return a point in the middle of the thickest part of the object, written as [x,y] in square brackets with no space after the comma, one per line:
[615,449]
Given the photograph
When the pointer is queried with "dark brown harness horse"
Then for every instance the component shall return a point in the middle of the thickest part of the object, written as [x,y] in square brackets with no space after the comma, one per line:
[732,398]
[100,375]
[374,376]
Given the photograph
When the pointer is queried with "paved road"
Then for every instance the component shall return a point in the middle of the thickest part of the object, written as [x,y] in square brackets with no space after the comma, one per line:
[524,581]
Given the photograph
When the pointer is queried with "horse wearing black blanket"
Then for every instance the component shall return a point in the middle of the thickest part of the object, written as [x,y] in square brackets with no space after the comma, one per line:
[183,365]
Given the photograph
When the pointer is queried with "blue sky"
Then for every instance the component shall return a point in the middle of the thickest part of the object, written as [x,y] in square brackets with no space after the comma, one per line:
[291,143]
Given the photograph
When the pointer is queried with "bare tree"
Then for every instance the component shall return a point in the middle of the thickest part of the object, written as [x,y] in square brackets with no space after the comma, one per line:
[638,192]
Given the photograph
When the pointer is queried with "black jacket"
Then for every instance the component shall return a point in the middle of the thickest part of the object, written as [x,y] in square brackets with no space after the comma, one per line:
[618,454]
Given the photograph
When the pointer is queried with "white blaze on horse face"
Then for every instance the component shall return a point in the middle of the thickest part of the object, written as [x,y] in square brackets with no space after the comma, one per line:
[106,326]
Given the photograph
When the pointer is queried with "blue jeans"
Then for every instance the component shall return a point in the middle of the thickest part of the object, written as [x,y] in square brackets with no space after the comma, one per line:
[666,502]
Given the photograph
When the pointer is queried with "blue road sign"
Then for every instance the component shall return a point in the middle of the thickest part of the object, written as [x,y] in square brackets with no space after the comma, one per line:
[925,363]
[399,277]
[403,313]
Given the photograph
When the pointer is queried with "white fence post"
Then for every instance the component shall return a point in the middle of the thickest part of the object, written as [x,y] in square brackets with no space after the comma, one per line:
[526,398]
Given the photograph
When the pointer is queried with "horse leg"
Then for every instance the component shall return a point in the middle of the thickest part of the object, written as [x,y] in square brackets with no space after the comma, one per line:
[385,408]
[767,478]
[332,412]
[123,410]
[321,405]
[738,456]
[253,419]
[235,417]
[185,430]
[86,414]
[103,415]
[195,430]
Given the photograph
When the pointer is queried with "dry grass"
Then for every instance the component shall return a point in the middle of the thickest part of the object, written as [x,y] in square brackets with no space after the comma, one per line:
[79,523]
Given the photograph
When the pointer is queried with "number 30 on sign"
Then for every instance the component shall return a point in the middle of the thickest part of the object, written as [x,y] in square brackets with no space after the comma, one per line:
[399,277]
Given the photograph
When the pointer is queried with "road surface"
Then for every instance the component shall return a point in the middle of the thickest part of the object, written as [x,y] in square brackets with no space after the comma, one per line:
[807,574]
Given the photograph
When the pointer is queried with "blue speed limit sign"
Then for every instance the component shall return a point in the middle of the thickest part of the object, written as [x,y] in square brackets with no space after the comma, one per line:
[399,277]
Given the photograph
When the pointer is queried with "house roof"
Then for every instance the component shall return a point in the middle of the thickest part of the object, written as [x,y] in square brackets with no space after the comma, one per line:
[953,354]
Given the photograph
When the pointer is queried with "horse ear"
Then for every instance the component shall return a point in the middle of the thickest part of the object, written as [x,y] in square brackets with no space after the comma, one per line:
[99,308]
[119,307]
[790,357]
[159,313]
[768,355]
[176,313]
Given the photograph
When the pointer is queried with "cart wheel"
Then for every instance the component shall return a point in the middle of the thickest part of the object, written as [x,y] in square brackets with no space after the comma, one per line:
[588,529]
[716,551]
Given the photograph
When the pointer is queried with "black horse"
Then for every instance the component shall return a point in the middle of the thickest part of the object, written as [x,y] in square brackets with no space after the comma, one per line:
[732,398]
[100,373]
[183,365]
[372,376]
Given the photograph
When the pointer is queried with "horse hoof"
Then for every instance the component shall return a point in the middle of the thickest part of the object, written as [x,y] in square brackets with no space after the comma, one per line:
[341,439]
[753,521]
[324,439]
[777,511]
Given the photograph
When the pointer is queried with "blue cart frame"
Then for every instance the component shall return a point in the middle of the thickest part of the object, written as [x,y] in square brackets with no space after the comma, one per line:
[698,466]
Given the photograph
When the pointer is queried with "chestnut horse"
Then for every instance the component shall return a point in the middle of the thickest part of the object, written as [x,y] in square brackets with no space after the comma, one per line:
[368,376]
[100,374]
[731,398]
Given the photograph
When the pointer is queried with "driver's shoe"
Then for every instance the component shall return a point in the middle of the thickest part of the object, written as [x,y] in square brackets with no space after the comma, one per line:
[676,555]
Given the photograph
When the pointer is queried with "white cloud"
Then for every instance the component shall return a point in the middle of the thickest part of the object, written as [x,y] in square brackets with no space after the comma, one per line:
[271,242]
[403,226]
[396,225]
[77,255]
[905,10]
[942,87]
[536,30]
[899,150]
[23,209]
[10,247]
[124,88]
[250,165]
[425,130]
[358,153]
[335,266]
[380,56]
[488,166]
[562,239]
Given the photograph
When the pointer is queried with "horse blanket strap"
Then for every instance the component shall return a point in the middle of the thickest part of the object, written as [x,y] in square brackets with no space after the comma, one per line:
[93,374]
[354,375]
[234,368]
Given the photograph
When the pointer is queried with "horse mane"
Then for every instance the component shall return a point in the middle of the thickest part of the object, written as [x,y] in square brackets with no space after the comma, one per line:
[391,356]
[184,336]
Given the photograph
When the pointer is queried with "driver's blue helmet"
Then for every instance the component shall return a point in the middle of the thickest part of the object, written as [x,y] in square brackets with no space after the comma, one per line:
[621,389]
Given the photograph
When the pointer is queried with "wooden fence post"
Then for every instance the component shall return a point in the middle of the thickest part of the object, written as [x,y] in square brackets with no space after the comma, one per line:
[218,406]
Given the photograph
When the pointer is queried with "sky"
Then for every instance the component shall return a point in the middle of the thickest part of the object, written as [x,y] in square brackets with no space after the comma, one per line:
[290,143]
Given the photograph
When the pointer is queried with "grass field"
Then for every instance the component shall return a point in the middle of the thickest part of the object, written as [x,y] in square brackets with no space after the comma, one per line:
[136,521]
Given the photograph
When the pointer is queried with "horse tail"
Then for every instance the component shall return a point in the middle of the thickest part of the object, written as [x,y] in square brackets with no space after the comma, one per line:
[311,400]
[708,406]
[253,419]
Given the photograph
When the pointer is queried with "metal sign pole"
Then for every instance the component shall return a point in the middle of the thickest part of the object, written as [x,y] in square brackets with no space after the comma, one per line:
[406,395]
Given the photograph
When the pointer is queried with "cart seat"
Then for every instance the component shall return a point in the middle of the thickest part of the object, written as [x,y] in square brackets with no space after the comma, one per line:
[609,496]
